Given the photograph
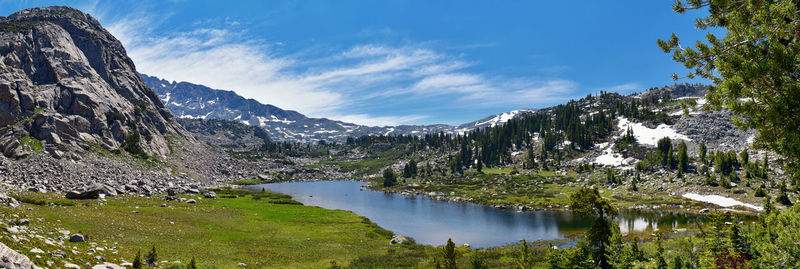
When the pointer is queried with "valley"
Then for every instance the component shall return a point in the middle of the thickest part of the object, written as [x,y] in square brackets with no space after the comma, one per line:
[102,166]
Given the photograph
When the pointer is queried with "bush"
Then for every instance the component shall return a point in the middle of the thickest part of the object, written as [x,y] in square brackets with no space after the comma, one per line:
[131,145]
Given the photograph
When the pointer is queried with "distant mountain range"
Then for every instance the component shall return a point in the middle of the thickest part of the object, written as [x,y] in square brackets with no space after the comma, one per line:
[194,101]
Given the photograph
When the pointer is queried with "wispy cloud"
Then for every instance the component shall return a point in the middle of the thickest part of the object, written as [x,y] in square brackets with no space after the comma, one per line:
[326,86]
[625,88]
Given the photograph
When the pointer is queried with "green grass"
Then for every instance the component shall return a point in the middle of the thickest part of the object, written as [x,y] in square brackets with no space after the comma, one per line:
[42,199]
[263,230]
[248,182]
[31,141]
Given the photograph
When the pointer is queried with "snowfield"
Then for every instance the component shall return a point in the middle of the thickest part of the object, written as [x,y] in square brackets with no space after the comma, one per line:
[502,118]
[609,158]
[719,200]
[648,136]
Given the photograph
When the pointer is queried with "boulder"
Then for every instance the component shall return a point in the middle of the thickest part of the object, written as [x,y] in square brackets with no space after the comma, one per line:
[77,238]
[92,192]
[12,259]
[8,201]
[398,239]
[58,254]
[191,201]
[210,195]
[108,265]
[12,230]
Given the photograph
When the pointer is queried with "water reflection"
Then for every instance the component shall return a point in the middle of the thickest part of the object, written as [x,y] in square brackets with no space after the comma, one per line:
[432,222]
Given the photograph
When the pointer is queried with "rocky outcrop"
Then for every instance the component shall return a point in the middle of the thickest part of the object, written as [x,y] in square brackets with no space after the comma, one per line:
[227,134]
[13,260]
[9,201]
[67,84]
[715,129]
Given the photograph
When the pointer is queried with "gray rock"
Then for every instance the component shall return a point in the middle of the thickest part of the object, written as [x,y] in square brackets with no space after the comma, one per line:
[77,238]
[12,230]
[107,265]
[75,84]
[191,201]
[8,201]
[21,222]
[210,195]
[398,239]
[12,259]
[58,254]
[92,192]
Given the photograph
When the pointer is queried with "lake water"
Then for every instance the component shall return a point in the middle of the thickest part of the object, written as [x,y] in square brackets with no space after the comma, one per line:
[432,222]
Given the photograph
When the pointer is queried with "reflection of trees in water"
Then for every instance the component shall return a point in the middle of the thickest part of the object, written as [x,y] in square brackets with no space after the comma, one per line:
[646,220]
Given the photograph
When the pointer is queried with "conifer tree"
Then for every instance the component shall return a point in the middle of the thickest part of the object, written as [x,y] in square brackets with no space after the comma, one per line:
[703,150]
[753,66]
[389,179]
[192,264]
[661,262]
[683,159]
[137,261]
[152,257]
[524,258]
[450,254]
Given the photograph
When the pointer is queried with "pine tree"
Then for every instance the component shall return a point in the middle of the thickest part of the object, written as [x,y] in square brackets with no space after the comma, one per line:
[783,197]
[752,65]
[588,202]
[389,179]
[703,150]
[192,264]
[677,262]
[450,254]
[671,159]
[683,158]
[524,258]
[745,157]
[137,261]
[661,262]
[761,192]
[152,257]
[619,255]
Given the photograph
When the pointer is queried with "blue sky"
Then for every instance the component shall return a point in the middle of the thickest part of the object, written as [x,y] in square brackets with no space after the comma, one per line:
[398,62]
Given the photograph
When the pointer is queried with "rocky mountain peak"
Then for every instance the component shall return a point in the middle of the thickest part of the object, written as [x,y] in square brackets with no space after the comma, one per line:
[66,84]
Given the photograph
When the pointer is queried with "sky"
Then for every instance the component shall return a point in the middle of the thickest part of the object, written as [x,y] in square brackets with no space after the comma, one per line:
[394,62]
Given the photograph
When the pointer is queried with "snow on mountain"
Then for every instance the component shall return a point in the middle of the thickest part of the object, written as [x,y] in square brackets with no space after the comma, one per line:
[494,120]
[193,101]
[649,136]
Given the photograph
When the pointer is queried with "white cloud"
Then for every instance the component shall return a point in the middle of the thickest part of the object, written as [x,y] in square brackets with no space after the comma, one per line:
[365,119]
[328,86]
[627,87]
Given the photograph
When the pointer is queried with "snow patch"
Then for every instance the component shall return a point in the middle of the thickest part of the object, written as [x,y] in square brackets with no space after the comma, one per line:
[648,136]
[502,118]
[609,158]
[719,200]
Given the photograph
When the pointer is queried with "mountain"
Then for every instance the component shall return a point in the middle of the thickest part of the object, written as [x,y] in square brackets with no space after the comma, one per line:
[227,134]
[188,100]
[494,120]
[67,83]
[75,114]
